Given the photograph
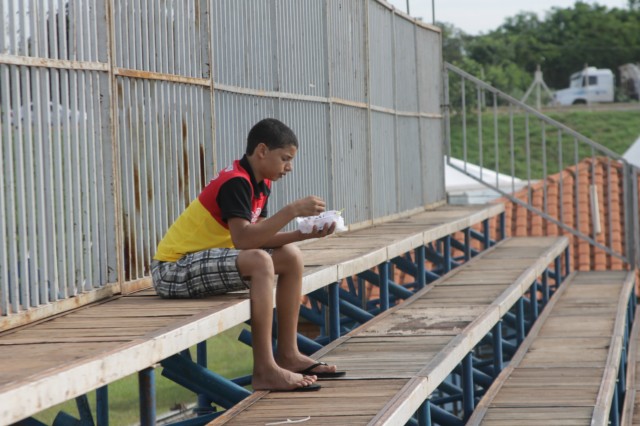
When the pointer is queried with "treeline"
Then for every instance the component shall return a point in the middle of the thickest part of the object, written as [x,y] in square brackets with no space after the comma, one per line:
[562,43]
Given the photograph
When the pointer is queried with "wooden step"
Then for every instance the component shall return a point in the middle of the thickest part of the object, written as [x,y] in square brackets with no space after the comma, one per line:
[395,361]
[565,371]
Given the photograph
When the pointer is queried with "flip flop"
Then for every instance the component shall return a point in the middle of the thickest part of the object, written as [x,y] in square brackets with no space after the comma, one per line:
[321,374]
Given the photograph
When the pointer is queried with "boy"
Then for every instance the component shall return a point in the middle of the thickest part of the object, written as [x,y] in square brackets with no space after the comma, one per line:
[224,241]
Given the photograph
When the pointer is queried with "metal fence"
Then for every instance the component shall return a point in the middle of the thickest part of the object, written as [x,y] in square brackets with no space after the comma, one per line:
[115,113]
[488,128]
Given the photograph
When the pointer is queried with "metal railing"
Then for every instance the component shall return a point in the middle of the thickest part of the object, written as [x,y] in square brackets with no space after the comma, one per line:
[487,128]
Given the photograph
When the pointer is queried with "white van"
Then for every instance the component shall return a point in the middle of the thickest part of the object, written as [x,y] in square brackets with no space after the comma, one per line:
[587,86]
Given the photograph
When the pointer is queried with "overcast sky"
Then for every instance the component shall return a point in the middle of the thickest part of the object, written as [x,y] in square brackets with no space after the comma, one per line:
[481,16]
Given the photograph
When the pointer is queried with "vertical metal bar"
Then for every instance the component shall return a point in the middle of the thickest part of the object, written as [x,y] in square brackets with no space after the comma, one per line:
[503,231]
[558,272]
[467,244]
[446,255]
[527,142]
[102,406]
[560,180]
[468,397]
[496,140]
[614,415]
[334,311]
[520,329]
[464,123]
[544,169]
[447,115]
[480,159]
[383,272]
[567,264]
[147,391]
[512,153]
[420,254]
[424,413]
[201,358]
[498,351]
[545,287]
[576,189]
[486,234]
[533,299]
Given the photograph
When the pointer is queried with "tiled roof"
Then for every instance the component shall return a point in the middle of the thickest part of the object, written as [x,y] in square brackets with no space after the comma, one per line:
[573,202]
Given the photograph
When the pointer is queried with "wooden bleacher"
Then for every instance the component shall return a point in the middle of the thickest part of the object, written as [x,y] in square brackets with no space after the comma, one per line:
[566,370]
[59,358]
[397,360]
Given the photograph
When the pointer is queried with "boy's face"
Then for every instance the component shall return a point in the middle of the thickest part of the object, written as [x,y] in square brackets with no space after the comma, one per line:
[276,163]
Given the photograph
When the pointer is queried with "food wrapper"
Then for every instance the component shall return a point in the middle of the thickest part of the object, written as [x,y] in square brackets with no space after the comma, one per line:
[306,224]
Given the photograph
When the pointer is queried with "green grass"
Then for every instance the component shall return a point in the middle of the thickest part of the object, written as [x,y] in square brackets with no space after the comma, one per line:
[226,356]
[615,130]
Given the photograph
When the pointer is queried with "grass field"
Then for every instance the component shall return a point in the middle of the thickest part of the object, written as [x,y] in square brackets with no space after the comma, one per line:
[512,144]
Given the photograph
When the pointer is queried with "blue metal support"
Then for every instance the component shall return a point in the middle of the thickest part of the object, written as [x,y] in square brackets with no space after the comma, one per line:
[383,272]
[30,421]
[102,406]
[567,263]
[498,361]
[204,403]
[147,392]
[396,289]
[468,399]
[424,414]
[345,307]
[486,229]
[447,254]
[557,276]
[200,420]
[520,323]
[334,311]
[614,415]
[420,263]
[198,379]
[533,298]
[467,244]
[502,222]
[545,287]
[443,417]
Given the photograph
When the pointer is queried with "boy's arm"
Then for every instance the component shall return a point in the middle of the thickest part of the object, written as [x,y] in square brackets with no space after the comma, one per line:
[265,233]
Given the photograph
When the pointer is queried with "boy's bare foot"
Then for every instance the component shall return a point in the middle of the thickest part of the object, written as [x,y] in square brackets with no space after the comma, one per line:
[298,362]
[279,379]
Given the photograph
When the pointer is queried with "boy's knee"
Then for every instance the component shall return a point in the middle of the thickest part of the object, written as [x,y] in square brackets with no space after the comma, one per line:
[255,262]
[289,252]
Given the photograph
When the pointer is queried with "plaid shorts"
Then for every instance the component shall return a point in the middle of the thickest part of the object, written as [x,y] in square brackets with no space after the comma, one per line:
[200,274]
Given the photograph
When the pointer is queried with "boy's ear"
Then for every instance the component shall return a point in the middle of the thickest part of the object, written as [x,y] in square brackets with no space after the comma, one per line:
[262,150]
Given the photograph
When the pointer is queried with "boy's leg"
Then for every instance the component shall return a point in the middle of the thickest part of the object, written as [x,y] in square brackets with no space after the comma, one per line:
[287,263]
[257,267]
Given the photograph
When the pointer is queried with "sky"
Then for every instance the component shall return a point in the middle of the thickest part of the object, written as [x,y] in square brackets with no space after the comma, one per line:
[481,16]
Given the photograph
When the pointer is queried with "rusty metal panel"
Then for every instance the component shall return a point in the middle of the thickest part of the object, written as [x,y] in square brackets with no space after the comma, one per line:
[350,156]
[312,166]
[432,160]
[409,152]
[405,65]
[164,37]
[429,68]
[384,164]
[348,66]
[380,49]
[235,115]
[164,161]
[302,47]
[244,44]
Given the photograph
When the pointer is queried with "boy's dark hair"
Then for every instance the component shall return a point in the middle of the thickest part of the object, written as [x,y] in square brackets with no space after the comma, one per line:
[271,132]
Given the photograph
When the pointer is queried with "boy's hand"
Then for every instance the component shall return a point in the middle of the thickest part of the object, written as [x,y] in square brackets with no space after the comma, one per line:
[320,233]
[309,206]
